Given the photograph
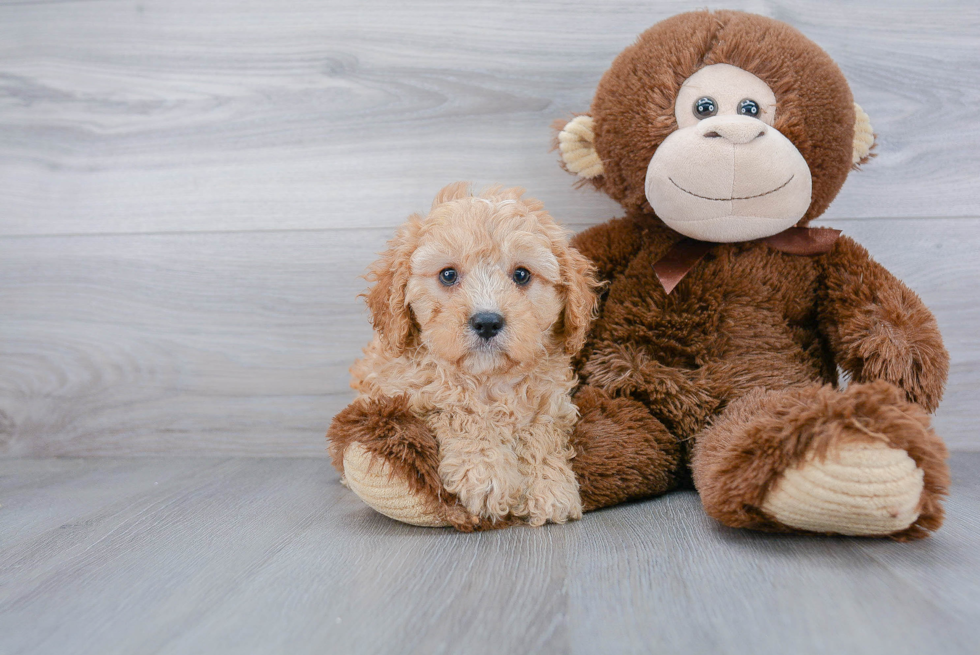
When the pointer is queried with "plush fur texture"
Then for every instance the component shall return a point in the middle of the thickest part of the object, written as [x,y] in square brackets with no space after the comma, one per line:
[621,452]
[815,108]
[746,320]
[500,409]
[737,461]
[741,358]
[732,378]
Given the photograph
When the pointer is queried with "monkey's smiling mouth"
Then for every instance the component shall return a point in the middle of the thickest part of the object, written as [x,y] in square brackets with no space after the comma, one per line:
[758,195]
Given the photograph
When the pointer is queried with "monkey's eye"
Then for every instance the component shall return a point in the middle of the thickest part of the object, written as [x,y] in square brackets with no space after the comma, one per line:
[705,107]
[521,276]
[749,107]
[448,276]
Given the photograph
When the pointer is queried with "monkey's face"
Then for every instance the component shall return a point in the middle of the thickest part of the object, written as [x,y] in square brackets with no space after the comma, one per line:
[726,174]
[727,126]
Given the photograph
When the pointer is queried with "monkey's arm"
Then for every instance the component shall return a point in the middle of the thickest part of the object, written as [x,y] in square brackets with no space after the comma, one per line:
[878,328]
[621,451]
[611,245]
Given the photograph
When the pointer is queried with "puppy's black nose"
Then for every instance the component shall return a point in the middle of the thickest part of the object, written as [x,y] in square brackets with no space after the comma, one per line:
[487,324]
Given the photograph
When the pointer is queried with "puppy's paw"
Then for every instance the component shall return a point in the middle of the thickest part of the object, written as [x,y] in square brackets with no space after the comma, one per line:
[485,490]
[492,498]
[550,500]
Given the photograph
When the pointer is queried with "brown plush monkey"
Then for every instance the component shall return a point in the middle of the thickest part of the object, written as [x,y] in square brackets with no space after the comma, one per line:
[724,320]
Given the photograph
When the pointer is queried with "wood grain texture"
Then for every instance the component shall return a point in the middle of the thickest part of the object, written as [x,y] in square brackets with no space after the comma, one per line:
[104,555]
[182,115]
[189,190]
[239,343]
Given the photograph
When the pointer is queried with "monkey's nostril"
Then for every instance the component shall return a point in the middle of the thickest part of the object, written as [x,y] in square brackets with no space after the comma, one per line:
[737,134]
[487,324]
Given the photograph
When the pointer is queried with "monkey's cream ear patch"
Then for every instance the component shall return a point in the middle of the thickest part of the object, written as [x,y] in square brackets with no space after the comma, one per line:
[575,142]
[864,136]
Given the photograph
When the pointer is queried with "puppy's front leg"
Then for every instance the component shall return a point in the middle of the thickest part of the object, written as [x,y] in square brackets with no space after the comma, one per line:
[477,463]
[551,492]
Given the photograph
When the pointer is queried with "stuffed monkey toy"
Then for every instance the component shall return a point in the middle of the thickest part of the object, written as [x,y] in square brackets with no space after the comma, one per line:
[724,319]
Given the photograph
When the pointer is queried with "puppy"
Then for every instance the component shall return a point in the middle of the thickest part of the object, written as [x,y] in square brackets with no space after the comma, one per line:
[477,309]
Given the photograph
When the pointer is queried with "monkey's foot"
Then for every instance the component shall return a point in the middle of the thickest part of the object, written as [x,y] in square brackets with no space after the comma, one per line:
[863,461]
[374,482]
[859,488]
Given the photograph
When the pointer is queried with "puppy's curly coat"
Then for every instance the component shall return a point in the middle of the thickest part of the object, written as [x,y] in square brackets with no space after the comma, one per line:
[498,402]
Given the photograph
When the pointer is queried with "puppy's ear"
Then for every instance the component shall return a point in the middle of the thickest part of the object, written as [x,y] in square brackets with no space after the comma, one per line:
[390,314]
[579,288]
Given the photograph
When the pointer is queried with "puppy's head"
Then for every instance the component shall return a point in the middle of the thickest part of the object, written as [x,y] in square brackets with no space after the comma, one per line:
[485,283]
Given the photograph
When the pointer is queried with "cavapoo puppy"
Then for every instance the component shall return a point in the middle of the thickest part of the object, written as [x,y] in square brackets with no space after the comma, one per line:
[477,309]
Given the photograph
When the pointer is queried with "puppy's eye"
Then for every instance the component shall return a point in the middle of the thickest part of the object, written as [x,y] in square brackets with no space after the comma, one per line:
[749,107]
[522,276]
[448,276]
[705,107]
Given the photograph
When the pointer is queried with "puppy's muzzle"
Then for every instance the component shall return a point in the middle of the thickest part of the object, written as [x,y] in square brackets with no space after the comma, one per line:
[487,324]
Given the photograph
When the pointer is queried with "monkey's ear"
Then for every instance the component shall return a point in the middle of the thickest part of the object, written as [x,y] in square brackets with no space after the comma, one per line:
[864,137]
[575,141]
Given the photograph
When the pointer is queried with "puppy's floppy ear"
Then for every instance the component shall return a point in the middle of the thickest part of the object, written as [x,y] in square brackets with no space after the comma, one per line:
[390,314]
[579,290]
[864,137]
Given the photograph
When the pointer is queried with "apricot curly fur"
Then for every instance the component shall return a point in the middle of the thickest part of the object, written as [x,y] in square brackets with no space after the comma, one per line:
[487,422]
[390,431]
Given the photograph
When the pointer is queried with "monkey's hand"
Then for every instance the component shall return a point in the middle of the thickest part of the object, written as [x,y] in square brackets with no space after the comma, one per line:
[880,329]
[627,371]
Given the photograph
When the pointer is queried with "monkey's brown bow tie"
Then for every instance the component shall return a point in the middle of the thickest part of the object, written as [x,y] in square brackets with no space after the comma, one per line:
[686,253]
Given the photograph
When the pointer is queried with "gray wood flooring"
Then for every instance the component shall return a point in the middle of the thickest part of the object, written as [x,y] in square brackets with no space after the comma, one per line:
[189,192]
[273,555]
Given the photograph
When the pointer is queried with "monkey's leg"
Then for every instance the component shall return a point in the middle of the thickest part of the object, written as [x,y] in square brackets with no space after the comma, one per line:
[390,459]
[622,452]
[814,459]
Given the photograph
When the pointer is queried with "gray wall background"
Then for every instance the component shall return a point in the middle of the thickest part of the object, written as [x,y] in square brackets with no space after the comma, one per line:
[189,190]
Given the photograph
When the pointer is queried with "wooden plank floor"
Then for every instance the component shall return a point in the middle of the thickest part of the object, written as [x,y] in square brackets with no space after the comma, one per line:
[250,555]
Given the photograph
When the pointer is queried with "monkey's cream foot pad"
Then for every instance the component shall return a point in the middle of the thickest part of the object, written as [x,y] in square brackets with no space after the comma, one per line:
[860,489]
[375,484]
